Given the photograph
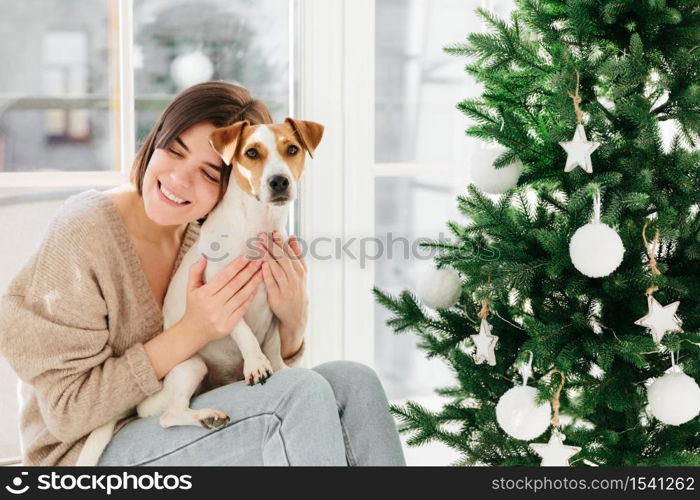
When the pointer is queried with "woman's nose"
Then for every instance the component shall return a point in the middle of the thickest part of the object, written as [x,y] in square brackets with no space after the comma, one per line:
[182,175]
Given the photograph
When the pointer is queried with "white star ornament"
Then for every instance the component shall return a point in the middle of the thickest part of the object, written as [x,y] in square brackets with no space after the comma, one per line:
[660,319]
[579,151]
[485,344]
[555,453]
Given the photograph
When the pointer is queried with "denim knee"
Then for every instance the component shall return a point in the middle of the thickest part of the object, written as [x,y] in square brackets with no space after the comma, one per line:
[352,373]
[306,384]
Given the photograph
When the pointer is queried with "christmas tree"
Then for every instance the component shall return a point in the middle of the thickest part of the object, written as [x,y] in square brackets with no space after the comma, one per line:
[589,264]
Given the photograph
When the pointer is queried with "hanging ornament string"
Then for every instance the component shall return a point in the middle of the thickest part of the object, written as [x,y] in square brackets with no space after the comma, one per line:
[660,319]
[485,311]
[555,400]
[577,100]
[651,254]
[555,452]
[596,206]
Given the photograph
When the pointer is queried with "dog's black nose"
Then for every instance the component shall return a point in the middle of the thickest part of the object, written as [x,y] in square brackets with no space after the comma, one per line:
[279,183]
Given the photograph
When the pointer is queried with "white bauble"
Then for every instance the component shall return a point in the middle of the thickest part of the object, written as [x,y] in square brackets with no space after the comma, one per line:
[191,68]
[674,398]
[439,288]
[491,179]
[596,250]
[518,413]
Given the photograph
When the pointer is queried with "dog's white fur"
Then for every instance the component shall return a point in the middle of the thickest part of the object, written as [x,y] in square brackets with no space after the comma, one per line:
[255,343]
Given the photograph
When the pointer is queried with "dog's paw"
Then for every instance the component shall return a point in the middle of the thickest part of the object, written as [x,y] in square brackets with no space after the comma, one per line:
[257,369]
[214,422]
[205,417]
[212,419]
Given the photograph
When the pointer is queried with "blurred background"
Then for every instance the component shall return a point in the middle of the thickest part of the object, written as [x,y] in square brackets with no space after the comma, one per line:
[84,80]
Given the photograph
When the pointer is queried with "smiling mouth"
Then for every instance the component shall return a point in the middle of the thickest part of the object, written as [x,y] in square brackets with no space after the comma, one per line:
[160,189]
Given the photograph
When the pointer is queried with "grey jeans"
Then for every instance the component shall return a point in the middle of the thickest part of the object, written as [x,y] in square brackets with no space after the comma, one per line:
[334,414]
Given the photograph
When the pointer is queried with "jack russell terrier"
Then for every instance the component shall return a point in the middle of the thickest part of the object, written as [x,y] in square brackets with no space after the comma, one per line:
[267,163]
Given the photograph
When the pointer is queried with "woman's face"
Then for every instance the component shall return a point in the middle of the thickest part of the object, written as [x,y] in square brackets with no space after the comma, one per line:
[189,169]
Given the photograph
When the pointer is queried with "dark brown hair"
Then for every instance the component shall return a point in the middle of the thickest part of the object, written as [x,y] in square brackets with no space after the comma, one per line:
[218,103]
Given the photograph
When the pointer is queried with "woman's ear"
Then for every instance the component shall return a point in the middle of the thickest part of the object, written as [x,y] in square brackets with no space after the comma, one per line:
[308,133]
[225,140]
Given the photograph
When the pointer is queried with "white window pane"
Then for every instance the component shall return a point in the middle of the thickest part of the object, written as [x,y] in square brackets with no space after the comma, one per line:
[418,85]
[179,44]
[413,208]
[54,96]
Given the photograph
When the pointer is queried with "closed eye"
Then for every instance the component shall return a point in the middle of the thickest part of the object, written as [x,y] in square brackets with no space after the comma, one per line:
[206,174]
[175,153]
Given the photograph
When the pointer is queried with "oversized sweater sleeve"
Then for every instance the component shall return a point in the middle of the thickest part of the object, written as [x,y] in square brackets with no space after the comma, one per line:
[54,333]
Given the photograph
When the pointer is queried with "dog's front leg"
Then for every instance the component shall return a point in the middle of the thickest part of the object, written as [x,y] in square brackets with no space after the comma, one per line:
[272,347]
[256,366]
[172,402]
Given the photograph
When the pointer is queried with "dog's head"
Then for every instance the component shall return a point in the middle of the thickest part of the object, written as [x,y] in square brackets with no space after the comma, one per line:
[267,160]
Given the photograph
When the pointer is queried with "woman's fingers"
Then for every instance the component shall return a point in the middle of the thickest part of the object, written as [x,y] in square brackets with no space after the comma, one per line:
[229,272]
[238,313]
[196,276]
[296,255]
[244,293]
[238,281]
[277,261]
[271,284]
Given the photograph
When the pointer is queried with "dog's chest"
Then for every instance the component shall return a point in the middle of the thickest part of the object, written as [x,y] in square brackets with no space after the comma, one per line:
[223,357]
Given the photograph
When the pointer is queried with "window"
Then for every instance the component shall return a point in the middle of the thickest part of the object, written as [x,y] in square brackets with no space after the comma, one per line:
[56,86]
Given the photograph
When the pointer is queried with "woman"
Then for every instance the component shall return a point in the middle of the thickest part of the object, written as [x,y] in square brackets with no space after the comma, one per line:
[82,324]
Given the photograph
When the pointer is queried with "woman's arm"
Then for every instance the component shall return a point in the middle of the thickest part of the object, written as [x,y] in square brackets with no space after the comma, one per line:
[55,332]
[172,347]
[78,381]
[284,272]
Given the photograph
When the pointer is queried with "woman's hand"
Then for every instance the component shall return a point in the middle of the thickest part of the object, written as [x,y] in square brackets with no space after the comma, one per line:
[284,274]
[215,308]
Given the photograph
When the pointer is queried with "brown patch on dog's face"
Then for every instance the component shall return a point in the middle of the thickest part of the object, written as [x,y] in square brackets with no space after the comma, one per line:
[289,148]
[249,162]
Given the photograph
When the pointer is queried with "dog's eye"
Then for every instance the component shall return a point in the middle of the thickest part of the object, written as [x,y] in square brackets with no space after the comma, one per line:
[252,153]
[292,150]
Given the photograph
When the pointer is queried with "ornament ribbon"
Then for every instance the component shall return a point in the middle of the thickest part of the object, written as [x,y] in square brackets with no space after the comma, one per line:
[651,253]
[577,100]
[555,400]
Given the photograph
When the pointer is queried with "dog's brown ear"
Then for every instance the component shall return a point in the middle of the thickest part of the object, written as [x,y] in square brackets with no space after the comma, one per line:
[225,140]
[308,133]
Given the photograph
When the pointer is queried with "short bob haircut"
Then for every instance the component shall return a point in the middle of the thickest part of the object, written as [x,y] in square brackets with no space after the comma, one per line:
[218,103]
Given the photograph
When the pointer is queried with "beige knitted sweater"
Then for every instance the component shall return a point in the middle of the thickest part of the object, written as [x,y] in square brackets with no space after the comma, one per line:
[72,325]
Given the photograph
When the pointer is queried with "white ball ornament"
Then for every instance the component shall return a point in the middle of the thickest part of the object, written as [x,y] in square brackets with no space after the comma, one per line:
[518,413]
[191,68]
[674,398]
[491,179]
[439,288]
[596,250]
